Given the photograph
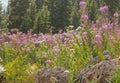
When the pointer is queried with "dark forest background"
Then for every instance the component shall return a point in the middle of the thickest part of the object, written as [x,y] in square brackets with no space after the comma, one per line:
[44,15]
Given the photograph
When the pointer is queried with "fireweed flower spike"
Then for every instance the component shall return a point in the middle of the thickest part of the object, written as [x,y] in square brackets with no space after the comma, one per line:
[48,61]
[56,50]
[84,16]
[105,27]
[82,3]
[116,14]
[103,9]
[84,34]
[98,40]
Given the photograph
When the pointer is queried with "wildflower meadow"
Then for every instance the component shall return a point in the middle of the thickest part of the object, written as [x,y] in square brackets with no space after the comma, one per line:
[22,55]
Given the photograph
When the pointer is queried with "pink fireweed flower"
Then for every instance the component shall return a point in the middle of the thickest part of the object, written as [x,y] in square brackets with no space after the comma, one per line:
[98,37]
[56,50]
[97,21]
[8,33]
[116,14]
[84,16]
[54,40]
[84,34]
[82,3]
[98,40]
[105,27]
[60,30]
[104,8]
[1,36]
[48,61]
[48,38]
[19,33]
[111,26]
[61,37]
[35,35]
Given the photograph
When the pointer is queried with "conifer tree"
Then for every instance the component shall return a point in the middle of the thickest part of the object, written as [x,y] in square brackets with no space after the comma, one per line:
[42,21]
[60,13]
[17,11]
[29,17]
[39,4]
[92,9]
[75,16]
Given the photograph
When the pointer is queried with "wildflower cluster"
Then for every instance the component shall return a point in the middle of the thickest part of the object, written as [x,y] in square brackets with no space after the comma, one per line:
[23,54]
